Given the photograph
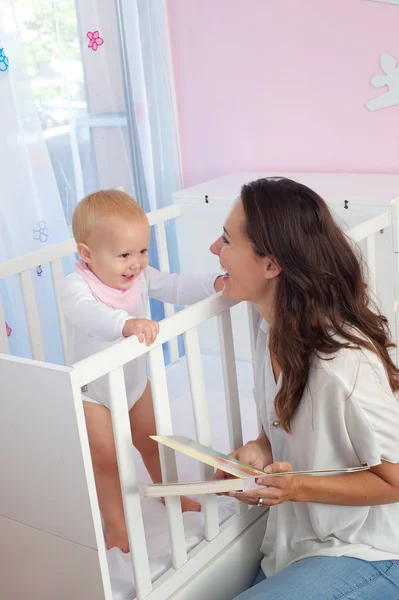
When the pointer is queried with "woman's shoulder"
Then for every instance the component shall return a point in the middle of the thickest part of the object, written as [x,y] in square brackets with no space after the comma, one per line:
[353,367]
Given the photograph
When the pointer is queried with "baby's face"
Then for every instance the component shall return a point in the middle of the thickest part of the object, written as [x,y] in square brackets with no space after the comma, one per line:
[118,251]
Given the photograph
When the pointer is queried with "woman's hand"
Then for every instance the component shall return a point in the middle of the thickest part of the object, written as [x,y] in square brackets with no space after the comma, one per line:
[253,453]
[276,489]
[218,285]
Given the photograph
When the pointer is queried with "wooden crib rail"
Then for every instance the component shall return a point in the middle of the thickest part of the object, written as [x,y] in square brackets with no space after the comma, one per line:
[111,361]
[107,360]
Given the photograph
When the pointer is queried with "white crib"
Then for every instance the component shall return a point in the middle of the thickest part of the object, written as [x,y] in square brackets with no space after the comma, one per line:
[50,526]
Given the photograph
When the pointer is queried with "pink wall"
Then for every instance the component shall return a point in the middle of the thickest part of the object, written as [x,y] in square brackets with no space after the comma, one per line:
[282,85]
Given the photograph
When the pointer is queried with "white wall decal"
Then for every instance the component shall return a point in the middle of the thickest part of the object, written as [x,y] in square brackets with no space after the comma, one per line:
[388,1]
[390,79]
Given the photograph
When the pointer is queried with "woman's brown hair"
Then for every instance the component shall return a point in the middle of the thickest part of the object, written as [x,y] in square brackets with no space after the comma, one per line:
[320,291]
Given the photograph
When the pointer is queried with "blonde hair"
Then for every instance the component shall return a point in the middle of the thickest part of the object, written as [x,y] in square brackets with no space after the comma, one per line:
[102,205]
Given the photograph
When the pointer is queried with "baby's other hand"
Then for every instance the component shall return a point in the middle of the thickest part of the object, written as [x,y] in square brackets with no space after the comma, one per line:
[145,330]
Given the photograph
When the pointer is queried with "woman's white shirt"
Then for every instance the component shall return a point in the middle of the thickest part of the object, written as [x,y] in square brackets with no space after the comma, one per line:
[348,416]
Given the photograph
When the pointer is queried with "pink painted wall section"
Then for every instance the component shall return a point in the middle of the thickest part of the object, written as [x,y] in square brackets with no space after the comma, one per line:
[282,85]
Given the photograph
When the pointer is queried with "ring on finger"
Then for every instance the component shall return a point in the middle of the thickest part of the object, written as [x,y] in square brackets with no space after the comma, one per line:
[259,502]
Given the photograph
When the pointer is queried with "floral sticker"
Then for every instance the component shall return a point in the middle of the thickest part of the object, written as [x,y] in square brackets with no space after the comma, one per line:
[95,40]
[39,271]
[4,62]
[390,79]
[8,329]
[40,231]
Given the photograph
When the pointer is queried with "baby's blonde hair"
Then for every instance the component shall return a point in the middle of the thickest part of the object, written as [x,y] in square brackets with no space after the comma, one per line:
[102,205]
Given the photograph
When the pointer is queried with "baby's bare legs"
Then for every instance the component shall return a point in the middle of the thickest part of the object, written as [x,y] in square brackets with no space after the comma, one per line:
[105,466]
[142,424]
[103,455]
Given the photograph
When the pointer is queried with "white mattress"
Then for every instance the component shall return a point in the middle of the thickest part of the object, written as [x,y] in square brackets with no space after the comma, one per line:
[153,510]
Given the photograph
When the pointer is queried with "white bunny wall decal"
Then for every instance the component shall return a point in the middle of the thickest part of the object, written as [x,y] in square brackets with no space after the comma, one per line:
[390,79]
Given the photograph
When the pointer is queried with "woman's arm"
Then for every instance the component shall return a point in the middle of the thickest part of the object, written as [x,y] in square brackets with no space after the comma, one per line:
[378,486]
[181,289]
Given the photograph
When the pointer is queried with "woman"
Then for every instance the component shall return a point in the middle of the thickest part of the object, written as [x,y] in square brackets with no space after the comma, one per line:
[326,390]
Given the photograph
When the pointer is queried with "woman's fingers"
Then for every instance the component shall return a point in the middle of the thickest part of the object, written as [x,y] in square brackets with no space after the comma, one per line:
[279,467]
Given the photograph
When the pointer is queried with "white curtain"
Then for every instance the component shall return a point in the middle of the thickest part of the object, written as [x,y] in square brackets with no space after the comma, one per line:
[78,116]
[31,214]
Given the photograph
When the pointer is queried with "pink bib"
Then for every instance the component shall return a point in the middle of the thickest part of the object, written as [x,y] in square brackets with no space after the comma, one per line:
[127,300]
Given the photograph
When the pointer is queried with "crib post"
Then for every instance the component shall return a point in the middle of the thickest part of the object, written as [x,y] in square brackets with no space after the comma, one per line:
[163,421]
[32,315]
[395,245]
[57,275]
[230,387]
[371,262]
[230,380]
[128,481]
[202,426]
[253,318]
[160,234]
[4,347]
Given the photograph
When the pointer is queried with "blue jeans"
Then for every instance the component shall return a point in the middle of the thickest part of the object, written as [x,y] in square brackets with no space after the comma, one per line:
[329,578]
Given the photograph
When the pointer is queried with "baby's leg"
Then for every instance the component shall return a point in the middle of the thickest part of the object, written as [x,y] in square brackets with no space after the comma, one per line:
[103,455]
[142,424]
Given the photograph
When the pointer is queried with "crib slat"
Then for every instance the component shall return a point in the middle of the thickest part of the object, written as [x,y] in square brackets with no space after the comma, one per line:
[57,275]
[148,312]
[230,380]
[128,480]
[4,346]
[160,234]
[230,387]
[202,425]
[163,421]
[252,320]
[32,315]
[371,261]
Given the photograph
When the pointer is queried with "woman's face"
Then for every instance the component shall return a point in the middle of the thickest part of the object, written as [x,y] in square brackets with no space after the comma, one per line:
[248,276]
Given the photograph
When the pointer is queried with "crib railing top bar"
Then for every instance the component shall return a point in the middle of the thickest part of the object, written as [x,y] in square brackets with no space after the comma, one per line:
[107,360]
[363,230]
[36,363]
[17,265]
[164,214]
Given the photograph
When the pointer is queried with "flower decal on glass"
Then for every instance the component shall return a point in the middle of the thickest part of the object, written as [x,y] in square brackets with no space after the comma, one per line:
[39,271]
[8,329]
[94,40]
[4,62]
[390,79]
[40,231]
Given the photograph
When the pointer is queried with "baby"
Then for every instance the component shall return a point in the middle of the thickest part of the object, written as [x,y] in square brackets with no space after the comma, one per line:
[104,301]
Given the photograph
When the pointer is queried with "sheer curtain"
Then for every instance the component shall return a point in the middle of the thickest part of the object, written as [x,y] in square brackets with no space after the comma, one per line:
[31,213]
[87,103]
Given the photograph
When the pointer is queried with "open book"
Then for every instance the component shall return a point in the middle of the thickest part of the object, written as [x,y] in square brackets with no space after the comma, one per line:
[243,476]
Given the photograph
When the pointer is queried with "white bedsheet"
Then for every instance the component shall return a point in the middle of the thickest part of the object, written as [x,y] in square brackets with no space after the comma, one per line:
[154,512]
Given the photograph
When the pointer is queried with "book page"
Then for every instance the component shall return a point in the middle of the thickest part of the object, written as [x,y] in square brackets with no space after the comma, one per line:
[209,456]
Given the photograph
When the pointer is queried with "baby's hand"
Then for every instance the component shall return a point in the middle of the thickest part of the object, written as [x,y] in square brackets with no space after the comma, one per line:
[144,329]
